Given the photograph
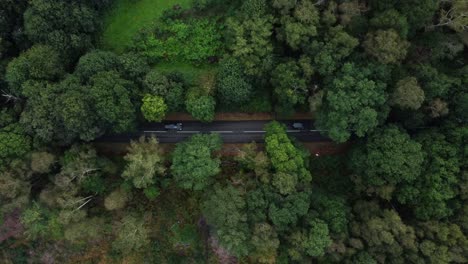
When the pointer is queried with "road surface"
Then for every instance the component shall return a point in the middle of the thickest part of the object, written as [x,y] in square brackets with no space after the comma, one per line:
[230,131]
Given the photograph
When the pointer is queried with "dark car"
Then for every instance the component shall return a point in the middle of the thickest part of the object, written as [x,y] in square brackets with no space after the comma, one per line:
[298,126]
[177,127]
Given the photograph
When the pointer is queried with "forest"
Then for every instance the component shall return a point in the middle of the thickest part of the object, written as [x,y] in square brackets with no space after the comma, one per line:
[388,78]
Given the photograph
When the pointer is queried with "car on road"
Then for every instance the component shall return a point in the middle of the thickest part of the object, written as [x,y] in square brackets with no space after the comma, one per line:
[176,127]
[298,126]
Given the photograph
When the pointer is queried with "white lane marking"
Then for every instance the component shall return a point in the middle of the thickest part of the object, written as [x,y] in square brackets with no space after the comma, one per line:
[221,131]
[293,131]
[188,131]
[155,131]
[253,131]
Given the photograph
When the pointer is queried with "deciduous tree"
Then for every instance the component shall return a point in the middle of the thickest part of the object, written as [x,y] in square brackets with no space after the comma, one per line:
[407,94]
[145,162]
[386,46]
[354,101]
[153,108]
[192,164]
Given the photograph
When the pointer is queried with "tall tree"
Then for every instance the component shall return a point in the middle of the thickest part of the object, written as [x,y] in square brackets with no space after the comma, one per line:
[354,102]
[250,41]
[145,162]
[225,210]
[386,46]
[153,108]
[233,87]
[66,26]
[38,63]
[290,86]
[192,163]
[389,157]
[407,94]
[299,24]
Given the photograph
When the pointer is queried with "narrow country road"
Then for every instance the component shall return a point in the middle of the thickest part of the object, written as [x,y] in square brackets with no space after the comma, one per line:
[230,131]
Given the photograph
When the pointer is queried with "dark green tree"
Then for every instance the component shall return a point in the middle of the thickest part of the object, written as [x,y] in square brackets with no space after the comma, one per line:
[354,102]
[232,85]
[225,210]
[67,26]
[386,46]
[38,63]
[290,86]
[389,157]
[193,166]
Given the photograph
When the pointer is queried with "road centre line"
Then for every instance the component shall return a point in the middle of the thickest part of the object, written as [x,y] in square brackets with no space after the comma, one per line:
[154,131]
[253,131]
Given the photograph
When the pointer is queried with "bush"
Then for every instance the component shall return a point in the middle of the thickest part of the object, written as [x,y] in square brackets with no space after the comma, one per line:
[176,40]
[232,85]
[154,108]
[202,108]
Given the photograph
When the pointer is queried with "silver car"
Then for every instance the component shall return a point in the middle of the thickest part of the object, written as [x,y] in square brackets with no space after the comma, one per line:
[176,127]
[298,126]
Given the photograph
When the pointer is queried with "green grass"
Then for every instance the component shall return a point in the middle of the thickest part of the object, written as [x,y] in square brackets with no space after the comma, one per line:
[127,17]
[191,72]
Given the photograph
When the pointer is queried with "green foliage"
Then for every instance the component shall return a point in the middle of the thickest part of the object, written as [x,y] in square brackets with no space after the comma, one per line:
[290,86]
[95,62]
[265,243]
[329,53]
[388,158]
[38,63]
[112,103]
[286,211]
[430,194]
[461,107]
[353,102]
[285,157]
[132,235]
[332,210]
[14,143]
[153,108]
[434,82]
[39,222]
[312,241]
[15,187]
[116,200]
[145,162]
[66,26]
[298,25]
[233,87]
[194,41]
[408,94]
[391,19]
[125,18]
[386,46]
[442,242]
[192,164]
[224,209]
[249,40]
[169,86]
[418,12]
[201,107]
[384,234]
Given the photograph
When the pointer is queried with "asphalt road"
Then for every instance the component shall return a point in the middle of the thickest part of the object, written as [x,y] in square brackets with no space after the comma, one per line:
[230,131]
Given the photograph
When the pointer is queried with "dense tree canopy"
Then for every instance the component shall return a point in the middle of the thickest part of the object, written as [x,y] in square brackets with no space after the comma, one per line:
[192,163]
[383,82]
[354,102]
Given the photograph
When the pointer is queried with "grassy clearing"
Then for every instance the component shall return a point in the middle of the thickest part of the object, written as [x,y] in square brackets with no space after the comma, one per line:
[126,17]
[191,72]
